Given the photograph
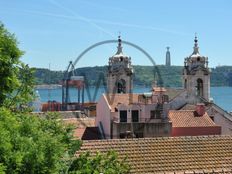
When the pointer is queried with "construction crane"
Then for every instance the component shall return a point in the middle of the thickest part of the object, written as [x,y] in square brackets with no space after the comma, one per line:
[72,80]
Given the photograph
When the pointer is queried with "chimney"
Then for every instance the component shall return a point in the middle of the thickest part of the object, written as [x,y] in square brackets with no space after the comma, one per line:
[200,109]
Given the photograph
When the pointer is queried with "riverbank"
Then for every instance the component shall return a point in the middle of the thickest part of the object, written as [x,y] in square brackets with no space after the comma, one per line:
[45,86]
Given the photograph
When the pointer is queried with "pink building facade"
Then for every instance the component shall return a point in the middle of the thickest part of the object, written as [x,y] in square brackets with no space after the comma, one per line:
[133,115]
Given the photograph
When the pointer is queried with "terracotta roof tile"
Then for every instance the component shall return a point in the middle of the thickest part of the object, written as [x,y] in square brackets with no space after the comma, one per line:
[188,118]
[80,125]
[116,99]
[173,154]
[126,99]
[81,122]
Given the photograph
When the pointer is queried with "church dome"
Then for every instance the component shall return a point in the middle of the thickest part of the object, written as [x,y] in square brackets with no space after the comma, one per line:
[196,60]
[120,61]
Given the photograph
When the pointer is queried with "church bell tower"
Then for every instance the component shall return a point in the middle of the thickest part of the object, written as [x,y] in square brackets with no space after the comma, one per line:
[120,72]
[196,75]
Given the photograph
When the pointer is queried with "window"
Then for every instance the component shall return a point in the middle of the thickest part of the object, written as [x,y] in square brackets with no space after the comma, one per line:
[199,87]
[123,116]
[135,115]
[122,135]
[139,134]
[212,118]
[165,98]
[127,134]
[155,114]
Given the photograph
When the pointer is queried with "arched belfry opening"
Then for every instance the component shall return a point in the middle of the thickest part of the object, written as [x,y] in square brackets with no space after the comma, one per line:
[121,86]
[185,83]
[199,87]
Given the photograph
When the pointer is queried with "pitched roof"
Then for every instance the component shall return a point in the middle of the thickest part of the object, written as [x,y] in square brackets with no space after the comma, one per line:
[172,92]
[116,99]
[91,133]
[80,125]
[169,154]
[126,99]
[188,118]
[188,106]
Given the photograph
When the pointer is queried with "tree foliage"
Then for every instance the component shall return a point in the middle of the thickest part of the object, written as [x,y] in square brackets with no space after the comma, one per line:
[144,75]
[30,144]
[16,78]
[33,145]
[100,163]
[222,76]
[46,76]
[9,59]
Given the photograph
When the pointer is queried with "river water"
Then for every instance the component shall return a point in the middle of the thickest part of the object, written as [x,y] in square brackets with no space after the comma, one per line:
[222,96]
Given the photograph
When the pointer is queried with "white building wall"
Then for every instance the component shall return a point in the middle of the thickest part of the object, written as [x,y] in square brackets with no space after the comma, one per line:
[104,116]
[221,118]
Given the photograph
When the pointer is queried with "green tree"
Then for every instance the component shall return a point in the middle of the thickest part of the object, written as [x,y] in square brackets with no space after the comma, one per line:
[30,144]
[16,78]
[100,163]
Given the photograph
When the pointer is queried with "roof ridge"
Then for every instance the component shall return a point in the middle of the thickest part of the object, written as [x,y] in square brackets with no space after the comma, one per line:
[160,138]
[200,171]
[182,110]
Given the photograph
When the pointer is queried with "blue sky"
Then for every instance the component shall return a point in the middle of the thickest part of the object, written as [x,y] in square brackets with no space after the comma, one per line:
[57,31]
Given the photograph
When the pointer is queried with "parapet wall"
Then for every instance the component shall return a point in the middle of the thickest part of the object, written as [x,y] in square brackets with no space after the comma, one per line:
[63,114]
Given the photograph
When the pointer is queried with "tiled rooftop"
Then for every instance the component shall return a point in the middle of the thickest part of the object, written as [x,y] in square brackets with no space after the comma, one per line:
[91,133]
[80,125]
[188,118]
[202,154]
[188,107]
[116,99]
[172,93]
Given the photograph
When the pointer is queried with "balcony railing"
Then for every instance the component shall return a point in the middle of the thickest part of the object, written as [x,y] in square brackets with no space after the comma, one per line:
[141,120]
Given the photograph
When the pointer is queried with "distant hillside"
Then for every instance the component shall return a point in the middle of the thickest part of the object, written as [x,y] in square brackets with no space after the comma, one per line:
[45,76]
[144,75]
